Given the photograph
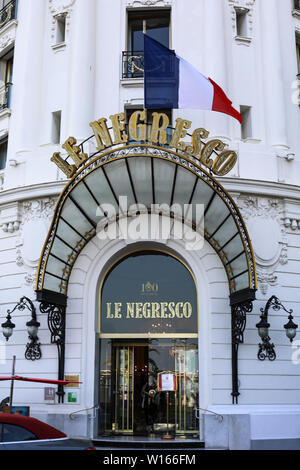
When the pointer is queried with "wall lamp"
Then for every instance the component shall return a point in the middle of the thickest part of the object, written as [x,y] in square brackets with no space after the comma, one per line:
[33,351]
[266,348]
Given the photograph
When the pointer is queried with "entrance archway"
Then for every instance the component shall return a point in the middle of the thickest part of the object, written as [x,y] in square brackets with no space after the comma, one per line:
[148,330]
[145,174]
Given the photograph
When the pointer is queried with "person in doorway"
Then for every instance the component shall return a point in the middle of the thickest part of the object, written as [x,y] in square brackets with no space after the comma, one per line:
[149,402]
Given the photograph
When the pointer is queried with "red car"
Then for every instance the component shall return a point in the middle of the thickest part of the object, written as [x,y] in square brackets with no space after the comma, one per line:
[19,432]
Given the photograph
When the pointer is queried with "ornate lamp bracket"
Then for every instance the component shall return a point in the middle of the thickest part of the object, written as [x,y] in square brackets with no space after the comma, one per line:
[33,350]
[54,305]
[266,349]
[57,327]
[241,304]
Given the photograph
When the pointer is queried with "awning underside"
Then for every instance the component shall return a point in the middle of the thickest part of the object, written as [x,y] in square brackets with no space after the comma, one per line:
[158,177]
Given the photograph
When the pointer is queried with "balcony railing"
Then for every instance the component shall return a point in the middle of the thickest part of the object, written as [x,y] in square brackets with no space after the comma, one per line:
[132,64]
[5,92]
[8,13]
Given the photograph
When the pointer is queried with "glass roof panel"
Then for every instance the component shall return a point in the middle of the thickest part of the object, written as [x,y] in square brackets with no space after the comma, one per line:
[215,215]
[233,248]
[99,186]
[227,230]
[241,282]
[76,217]
[61,250]
[163,177]
[119,179]
[140,168]
[185,182]
[55,266]
[65,232]
[203,193]
[239,264]
[81,195]
[52,283]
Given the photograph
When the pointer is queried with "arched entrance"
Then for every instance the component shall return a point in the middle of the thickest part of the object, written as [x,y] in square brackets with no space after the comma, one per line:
[148,332]
[148,175]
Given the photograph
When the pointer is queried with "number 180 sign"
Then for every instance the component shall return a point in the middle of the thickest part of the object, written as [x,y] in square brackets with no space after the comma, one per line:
[167,382]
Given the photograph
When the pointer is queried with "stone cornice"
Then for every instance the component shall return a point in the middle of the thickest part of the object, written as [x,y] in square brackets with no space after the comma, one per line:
[31,192]
[260,187]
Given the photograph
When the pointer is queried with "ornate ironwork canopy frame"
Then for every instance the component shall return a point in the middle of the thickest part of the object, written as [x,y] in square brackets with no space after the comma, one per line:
[240,301]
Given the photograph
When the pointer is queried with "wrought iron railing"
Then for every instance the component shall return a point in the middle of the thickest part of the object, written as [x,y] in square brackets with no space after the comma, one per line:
[132,64]
[8,13]
[5,92]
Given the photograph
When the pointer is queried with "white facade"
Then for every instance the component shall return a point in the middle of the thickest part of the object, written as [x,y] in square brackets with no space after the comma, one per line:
[81,78]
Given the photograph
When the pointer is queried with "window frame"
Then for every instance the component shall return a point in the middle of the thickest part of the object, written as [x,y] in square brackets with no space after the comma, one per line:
[16,426]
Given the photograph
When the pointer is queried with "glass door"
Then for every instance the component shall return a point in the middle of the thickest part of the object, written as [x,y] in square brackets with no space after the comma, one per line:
[130,402]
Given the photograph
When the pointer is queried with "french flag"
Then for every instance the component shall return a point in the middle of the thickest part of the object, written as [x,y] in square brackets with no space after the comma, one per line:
[172,82]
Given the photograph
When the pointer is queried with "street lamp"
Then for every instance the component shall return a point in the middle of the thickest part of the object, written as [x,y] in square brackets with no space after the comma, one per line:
[33,350]
[266,348]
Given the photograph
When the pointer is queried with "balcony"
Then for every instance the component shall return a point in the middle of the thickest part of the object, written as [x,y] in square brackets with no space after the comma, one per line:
[5,92]
[8,13]
[132,65]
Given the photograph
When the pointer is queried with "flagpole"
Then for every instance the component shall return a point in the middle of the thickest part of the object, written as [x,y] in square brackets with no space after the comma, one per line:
[12,382]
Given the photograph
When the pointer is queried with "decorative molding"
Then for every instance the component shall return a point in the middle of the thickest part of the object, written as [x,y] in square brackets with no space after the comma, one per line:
[8,36]
[245,5]
[10,217]
[38,209]
[58,8]
[266,214]
[35,218]
[296,14]
[148,3]
[293,224]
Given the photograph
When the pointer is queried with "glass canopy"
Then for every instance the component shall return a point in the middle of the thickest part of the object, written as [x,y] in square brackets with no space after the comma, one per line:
[145,175]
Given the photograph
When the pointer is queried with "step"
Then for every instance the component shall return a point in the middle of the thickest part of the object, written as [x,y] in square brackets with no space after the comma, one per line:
[134,442]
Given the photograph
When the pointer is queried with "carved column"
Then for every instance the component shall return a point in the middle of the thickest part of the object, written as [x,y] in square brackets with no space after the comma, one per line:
[215,61]
[275,119]
[82,70]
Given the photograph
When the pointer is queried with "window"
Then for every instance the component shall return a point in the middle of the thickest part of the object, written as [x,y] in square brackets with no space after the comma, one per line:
[7,11]
[246,128]
[298,53]
[6,74]
[296,4]
[241,22]
[13,433]
[156,23]
[60,29]
[3,154]
[56,127]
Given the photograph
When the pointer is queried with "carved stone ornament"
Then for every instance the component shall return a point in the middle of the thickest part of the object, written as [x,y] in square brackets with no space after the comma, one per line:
[60,6]
[7,40]
[36,218]
[148,3]
[245,5]
[265,222]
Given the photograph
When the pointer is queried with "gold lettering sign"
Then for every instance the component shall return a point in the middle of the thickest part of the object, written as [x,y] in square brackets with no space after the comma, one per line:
[212,154]
[140,310]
